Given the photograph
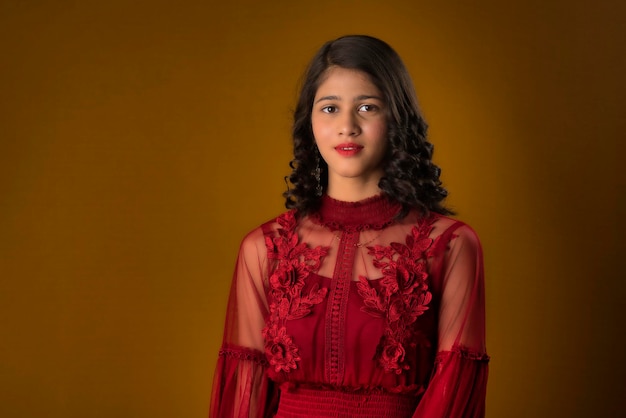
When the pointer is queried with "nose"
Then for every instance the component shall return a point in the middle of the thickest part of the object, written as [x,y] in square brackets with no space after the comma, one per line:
[349,124]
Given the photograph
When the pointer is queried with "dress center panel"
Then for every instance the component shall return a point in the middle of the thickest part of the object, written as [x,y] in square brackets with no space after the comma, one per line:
[334,364]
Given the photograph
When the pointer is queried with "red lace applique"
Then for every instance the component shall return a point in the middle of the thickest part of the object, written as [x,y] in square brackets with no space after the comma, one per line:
[295,262]
[280,349]
[403,296]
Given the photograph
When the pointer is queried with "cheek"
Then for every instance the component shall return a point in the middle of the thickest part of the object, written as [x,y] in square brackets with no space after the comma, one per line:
[320,130]
[379,132]
[382,129]
[314,126]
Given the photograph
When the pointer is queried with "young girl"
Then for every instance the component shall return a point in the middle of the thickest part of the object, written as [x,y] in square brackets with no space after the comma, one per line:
[364,299]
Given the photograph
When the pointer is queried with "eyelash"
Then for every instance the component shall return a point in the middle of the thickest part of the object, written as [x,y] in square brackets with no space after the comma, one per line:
[333,109]
[370,106]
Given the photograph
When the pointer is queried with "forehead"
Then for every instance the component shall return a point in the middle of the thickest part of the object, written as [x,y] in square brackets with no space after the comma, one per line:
[338,79]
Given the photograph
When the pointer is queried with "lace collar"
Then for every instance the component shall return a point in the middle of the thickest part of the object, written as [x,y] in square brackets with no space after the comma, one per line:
[376,212]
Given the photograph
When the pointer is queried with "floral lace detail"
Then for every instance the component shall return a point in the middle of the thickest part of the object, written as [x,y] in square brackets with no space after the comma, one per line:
[403,296]
[295,262]
[280,349]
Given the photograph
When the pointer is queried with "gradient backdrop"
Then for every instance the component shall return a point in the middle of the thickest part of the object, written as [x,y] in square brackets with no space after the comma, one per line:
[140,140]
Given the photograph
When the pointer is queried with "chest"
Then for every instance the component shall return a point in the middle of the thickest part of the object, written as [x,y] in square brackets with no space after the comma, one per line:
[380,323]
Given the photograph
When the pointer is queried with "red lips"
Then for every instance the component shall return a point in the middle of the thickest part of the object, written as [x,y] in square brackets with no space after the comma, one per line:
[348,149]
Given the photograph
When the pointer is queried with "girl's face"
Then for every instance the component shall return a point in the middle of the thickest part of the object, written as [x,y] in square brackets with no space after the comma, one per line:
[349,123]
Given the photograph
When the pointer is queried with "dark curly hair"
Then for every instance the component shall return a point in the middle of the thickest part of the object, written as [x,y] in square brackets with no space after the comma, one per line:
[410,177]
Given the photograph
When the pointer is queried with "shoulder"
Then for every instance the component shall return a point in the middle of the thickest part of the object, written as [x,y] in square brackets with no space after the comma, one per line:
[256,239]
[447,225]
[452,233]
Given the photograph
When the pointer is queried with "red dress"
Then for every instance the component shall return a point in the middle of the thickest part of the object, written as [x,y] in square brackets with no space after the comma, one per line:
[350,312]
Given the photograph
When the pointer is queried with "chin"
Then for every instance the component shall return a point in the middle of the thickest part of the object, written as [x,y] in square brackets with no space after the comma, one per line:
[349,174]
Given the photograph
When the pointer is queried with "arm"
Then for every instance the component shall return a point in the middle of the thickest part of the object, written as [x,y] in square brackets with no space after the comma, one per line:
[458,385]
[240,386]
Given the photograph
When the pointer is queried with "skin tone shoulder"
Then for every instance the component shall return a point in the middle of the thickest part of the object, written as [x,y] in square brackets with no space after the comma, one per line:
[349,121]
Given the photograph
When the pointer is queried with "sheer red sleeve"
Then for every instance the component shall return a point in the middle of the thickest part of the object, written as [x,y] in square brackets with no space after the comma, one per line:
[458,385]
[240,386]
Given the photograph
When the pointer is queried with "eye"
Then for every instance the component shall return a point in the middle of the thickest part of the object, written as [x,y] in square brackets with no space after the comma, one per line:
[329,109]
[367,108]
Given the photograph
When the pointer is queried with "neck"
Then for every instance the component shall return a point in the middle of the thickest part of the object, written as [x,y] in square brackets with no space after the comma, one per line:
[353,189]
[376,212]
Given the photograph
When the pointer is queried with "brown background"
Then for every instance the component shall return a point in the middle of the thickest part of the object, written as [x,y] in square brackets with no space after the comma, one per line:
[139,141]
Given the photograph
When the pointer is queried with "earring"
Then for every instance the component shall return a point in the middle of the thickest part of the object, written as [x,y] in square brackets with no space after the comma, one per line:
[317,173]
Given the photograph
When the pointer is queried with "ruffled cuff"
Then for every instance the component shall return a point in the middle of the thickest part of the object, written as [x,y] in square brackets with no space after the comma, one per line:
[458,386]
[240,386]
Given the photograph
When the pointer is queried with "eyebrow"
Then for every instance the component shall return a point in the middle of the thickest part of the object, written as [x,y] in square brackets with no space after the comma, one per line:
[356,99]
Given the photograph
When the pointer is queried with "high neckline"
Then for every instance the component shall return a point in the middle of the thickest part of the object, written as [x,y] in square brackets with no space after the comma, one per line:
[376,212]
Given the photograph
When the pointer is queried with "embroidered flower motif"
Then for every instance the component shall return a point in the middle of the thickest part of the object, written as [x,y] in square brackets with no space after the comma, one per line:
[295,261]
[287,278]
[403,295]
[280,350]
[392,356]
